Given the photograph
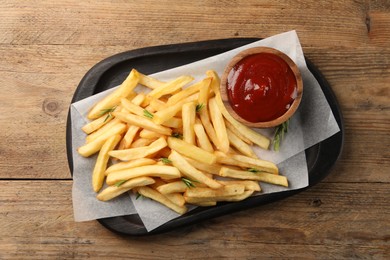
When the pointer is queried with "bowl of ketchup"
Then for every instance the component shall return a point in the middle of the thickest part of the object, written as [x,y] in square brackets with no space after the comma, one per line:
[261,87]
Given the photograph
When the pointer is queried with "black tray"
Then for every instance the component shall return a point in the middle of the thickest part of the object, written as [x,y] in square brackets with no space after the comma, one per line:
[113,70]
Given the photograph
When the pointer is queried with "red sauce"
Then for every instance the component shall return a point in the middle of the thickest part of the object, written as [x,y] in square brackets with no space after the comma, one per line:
[261,87]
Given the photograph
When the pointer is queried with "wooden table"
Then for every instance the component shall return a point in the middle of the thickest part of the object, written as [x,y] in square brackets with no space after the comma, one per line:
[47,46]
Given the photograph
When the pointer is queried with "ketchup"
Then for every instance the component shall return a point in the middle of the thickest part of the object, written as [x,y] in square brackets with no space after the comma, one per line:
[261,87]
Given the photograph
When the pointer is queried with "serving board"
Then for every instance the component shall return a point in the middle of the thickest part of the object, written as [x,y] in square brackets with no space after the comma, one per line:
[112,71]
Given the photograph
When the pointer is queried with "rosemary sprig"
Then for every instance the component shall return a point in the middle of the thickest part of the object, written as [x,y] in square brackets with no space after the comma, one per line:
[279,135]
[189,183]
[199,107]
[108,112]
[177,135]
[165,160]
[139,196]
[119,183]
[254,170]
[148,114]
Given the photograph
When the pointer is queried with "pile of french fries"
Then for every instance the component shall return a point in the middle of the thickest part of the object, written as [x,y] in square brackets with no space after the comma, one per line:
[177,145]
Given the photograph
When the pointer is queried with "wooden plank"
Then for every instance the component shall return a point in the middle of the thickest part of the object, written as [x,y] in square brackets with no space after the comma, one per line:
[331,220]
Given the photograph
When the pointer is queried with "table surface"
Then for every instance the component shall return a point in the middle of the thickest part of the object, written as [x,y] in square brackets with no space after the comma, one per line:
[47,46]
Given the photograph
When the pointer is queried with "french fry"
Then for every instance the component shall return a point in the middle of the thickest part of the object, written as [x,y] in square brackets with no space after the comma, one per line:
[199,200]
[113,99]
[231,127]
[219,126]
[204,203]
[150,82]
[258,164]
[188,115]
[101,162]
[191,151]
[102,130]
[258,176]
[209,128]
[188,91]
[168,88]
[142,122]
[173,122]
[141,142]
[240,145]
[131,164]
[191,172]
[249,185]
[204,167]
[114,191]
[155,195]
[145,133]
[157,104]
[139,152]
[96,124]
[204,92]
[166,114]
[255,137]
[176,198]
[162,171]
[228,190]
[128,138]
[94,146]
[173,187]
[202,137]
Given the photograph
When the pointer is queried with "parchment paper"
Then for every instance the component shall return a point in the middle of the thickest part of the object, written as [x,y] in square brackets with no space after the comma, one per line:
[311,124]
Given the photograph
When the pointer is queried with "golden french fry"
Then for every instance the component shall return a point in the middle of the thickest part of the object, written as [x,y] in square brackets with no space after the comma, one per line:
[155,195]
[240,145]
[173,122]
[102,130]
[142,122]
[157,104]
[139,152]
[162,171]
[150,82]
[114,191]
[96,124]
[191,172]
[219,126]
[135,109]
[204,203]
[163,115]
[199,200]
[202,138]
[191,151]
[131,164]
[255,176]
[188,91]
[145,133]
[94,146]
[249,185]
[169,88]
[113,99]
[204,93]
[255,137]
[228,190]
[188,115]
[258,164]
[101,162]
[209,128]
[204,167]
[173,187]
[231,127]
[141,142]
[176,198]
[128,138]
[138,99]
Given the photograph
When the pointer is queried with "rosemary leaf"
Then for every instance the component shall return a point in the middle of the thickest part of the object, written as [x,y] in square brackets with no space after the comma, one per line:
[177,135]
[189,183]
[148,114]
[165,160]
[254,170]
[119,183]
[199,107]
[279,135]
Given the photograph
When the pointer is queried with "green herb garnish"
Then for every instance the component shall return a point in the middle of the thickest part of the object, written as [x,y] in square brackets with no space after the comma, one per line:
[165,160]
[119,183]
[199,107]
[189,183]
[148,114]
[279,135]
[254,170]
[177,135]
[139,196]
[108,112]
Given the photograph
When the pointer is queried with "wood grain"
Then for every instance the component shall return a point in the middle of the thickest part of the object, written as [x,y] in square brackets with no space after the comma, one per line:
[47,46]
